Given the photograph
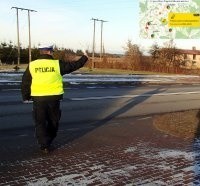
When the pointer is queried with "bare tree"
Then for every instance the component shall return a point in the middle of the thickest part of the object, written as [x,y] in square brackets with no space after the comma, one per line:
[167,58]
[133,55]
[155,54]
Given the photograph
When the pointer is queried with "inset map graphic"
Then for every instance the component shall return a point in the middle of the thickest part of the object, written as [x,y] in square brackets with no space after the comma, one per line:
[170,19]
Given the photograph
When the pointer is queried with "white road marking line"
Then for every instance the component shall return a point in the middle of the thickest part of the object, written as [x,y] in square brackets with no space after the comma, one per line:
[144,118]
[22,135]
[124,96]
[132,96]
[6,90]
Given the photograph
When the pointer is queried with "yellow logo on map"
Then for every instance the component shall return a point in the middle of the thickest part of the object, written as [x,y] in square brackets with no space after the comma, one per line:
[183,19]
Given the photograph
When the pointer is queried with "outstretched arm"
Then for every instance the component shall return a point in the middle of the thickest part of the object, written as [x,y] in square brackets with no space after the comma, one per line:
[68,67]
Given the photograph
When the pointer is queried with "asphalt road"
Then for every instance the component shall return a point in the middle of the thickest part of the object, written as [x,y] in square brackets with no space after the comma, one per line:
[85,108]
[99,103]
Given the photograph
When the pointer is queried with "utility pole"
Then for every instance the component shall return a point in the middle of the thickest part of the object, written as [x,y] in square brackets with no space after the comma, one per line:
[102,21]
[93,48]
[29,31]
[29,10]
[18,55]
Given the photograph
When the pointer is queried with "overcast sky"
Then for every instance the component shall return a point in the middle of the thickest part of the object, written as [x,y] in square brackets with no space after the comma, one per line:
[67,23]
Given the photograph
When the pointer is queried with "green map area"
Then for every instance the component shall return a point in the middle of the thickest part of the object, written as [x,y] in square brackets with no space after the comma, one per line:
[155,20]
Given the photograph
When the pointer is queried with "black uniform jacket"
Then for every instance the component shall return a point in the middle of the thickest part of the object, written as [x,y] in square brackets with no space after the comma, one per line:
[65,68]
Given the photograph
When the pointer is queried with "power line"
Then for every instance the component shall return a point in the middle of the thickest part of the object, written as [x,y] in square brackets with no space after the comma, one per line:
[24,9]
[97,5]
[80,3]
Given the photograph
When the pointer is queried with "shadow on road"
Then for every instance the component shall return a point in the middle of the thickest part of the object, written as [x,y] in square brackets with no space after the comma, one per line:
[88,127]
[130,104]
[67,132]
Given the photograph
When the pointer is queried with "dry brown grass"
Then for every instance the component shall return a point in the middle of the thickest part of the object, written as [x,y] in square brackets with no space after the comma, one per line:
[87,70]
[11,67]
[183,124]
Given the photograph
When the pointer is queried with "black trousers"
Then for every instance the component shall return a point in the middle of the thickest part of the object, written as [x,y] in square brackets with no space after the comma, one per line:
[46,115]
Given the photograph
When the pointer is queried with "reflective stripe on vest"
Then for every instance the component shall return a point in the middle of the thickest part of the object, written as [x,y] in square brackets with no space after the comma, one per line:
[46,78]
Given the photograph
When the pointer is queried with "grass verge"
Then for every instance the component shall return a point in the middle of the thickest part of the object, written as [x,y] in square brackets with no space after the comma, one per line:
[88,70]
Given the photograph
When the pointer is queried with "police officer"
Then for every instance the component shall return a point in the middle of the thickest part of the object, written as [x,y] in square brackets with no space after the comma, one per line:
[42,83]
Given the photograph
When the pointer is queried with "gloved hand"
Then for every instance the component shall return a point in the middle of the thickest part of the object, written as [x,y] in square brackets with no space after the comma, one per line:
[27,101]
[84,52]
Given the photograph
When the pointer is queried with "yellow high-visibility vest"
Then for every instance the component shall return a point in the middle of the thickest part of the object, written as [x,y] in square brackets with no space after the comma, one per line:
[46,78]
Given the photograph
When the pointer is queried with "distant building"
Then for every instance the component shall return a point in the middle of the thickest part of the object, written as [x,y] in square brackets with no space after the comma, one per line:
[191,57]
